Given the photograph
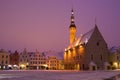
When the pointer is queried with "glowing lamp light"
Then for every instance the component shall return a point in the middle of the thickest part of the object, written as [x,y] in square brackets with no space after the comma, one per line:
[68,51]
[77,42]
[72,12]
[74,48]
[22,65]
[65,49]
[72,19]
[27,63]
[9,65]
[14,65]
[80,46]
[115,63]
[45,65]
[4,67]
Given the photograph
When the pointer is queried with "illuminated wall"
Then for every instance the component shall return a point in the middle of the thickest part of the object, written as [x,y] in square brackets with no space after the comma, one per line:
[72,34]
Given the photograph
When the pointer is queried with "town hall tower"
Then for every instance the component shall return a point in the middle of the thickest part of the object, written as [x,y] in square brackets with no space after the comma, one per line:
[72,28]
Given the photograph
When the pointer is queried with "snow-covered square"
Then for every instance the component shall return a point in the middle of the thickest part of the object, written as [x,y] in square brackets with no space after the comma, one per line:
[57,75]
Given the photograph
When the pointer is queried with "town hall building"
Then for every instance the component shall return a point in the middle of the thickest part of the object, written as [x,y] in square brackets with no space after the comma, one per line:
[87,52]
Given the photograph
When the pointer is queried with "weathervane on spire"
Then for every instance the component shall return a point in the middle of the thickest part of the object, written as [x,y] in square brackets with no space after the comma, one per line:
[95,20]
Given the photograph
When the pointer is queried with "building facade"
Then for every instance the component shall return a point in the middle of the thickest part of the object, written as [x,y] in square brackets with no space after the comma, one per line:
[52,63]
[54,60]
[4,59]
[14,60]
[114,58]
[40,61]
[24,60]
[87,52]
[37,61]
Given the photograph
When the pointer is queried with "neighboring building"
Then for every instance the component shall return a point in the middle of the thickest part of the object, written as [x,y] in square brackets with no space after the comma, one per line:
[24,60]
[37,61]
[54,60]
[4,59]
[52,63]
[40,61]
[114,57]
[88,52]
[14,60]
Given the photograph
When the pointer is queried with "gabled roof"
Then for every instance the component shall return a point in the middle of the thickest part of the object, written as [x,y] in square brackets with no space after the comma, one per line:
[114,49]
[3,51]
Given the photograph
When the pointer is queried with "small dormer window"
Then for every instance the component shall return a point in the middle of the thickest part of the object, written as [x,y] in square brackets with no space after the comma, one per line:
[97,43]
[117,58]
[86,41]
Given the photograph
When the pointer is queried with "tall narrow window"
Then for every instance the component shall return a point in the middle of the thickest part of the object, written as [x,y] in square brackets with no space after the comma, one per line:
[2,56]
[91,56]
[101,57]
[6,56]
[117,58]
[2,62]
[83,66]
[6,62]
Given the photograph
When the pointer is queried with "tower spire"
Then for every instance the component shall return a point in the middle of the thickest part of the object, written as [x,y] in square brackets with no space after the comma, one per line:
[95,21]
[72,16]
[72,19]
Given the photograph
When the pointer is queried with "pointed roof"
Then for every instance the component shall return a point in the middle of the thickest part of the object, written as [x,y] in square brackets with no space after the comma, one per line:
[72,19]
[24,51]
[87,36]
[114,49]
[58,55]
[83,39]
[3,51]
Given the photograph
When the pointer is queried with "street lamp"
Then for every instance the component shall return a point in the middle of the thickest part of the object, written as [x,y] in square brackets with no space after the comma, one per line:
[115,64]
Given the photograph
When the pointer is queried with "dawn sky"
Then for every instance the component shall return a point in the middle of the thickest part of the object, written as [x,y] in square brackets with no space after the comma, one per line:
[44,24]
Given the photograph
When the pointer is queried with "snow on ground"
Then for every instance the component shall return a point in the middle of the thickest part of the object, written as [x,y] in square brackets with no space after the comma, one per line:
[56,75]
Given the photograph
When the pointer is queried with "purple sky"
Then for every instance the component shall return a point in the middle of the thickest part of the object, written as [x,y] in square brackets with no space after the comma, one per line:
[44,24]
